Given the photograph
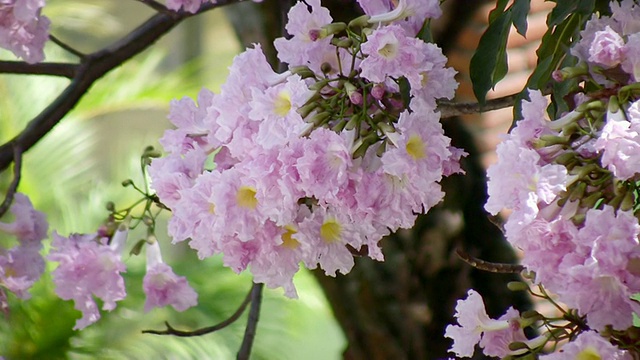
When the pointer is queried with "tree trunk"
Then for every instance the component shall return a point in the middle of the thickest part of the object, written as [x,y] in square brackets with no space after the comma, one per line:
[399,308]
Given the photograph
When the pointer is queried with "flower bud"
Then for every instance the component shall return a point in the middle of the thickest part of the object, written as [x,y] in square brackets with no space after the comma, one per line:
[362,21]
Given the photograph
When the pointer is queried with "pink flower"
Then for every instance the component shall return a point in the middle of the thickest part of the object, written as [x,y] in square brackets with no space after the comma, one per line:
[473,322]
[20,268]
[276,111]
[305,47]
[163,287]
[588,345]
[324,164]
[30,225]
[191,6]
[88,267]
[607,48]
[23,30]
[620,146]
[391,53]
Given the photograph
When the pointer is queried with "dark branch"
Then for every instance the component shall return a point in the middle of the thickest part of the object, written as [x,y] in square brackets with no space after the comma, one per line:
[13,187]
[92,68]
[155,5]
[450,109]
[53,69]
[66,47]
[209,329]
[252,322]
[489,266]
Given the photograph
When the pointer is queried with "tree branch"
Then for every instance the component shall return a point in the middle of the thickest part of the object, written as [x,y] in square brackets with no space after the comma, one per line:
[252,322]
[66,47]
[450,109]
[13,187]
[92,67]
[47,68]
[209,329]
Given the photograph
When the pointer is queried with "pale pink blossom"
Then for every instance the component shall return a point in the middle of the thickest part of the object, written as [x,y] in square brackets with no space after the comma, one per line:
[607,48]
[473,322]
[88,267]
[23,30]
[162,286]
[29,225]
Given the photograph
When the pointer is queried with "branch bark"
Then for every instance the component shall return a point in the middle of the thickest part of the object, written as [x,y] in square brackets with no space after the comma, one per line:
[91,68]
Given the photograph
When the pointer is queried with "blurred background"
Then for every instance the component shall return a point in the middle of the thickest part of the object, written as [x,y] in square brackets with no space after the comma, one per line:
[77,168]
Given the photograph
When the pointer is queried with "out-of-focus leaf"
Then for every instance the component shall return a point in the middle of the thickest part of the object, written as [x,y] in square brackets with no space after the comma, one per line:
[520,12]
[489,63]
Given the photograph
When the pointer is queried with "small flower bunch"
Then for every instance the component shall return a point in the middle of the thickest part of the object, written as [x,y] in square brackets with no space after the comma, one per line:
[23,29]
[91,265]
[319,162]
[22,265]
[573,186]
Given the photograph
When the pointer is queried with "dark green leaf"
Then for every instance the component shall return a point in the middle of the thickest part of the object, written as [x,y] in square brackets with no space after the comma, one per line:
[520,11]
[560,12]
[498,10]
[489,63]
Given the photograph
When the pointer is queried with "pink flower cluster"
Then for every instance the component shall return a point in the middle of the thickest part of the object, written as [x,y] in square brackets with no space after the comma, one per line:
[90,265]
[312,164]
[572,186]
[22,265]
[23,30]
[610,42]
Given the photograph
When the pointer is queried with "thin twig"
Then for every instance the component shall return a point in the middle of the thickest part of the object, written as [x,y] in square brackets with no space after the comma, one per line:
[252,322]
[47,68]
[209,329]
[155,5]
[500,268]
[66,47]
[13,187]
[450,109]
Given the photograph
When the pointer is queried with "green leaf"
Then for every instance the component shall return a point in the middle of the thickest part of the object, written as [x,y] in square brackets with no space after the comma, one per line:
[636,320]
[520,11]
[489,63]
[499,9]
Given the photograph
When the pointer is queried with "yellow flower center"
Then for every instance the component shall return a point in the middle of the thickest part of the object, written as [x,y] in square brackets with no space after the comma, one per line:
[282,104]
[588,354]
[212,208]
[287,240]
[330,231]
[415,147]
[246,197]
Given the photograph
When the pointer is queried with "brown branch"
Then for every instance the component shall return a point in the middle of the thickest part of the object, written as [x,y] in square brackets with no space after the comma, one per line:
[483,265]
[252,322]
[66,47]
[209,329]
[13,187]
[450,109]
[47,68]
[92,67]
[155,5]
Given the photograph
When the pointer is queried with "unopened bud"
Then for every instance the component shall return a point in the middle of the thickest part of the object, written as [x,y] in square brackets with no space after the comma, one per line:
[342,42]
[303,71]
[517,286]
[362,21]
[127,182]
[137,248]
[111,207]
[320,118]
[377,91]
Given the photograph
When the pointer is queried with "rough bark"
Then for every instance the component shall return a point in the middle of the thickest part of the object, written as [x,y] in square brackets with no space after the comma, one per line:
[398,309]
